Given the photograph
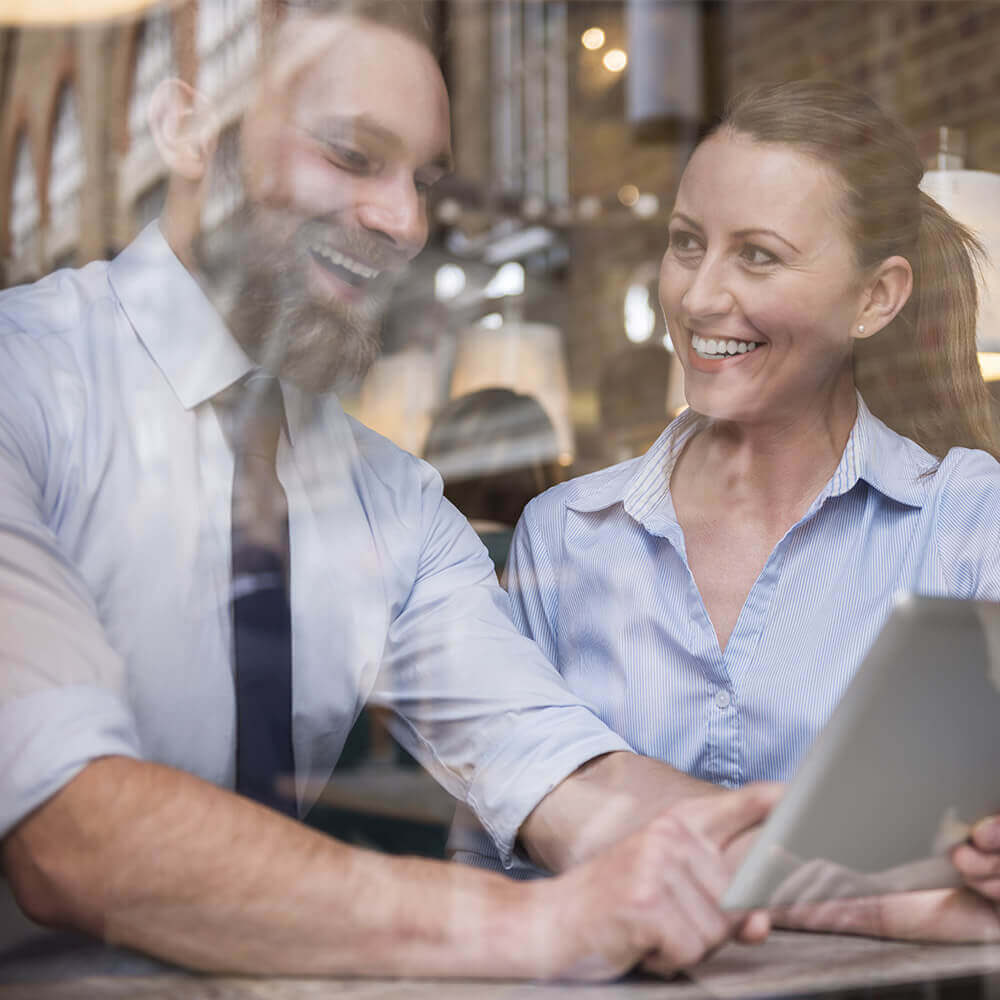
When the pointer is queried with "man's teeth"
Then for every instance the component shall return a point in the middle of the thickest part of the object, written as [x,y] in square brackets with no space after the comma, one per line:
[347,263]
[706,347]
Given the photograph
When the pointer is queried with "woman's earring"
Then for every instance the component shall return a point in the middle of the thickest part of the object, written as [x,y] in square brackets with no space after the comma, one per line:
[861,328]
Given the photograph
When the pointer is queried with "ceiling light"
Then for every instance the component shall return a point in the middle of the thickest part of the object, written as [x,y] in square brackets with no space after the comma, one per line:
[449,281]
[592,38]
[628,195]
[615,60]
[29,12]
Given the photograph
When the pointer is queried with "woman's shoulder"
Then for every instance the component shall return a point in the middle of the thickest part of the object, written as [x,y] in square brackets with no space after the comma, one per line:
[905,469]
[968,476]
[592,491]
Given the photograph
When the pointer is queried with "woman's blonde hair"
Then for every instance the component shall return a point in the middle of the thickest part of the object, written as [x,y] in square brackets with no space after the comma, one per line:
[920,374]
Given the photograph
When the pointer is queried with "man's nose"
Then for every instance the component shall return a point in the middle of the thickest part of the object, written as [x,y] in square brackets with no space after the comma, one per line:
[395,208]
[708,292]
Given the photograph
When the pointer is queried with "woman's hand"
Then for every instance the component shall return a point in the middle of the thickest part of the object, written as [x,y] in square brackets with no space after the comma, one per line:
[935,915]
[978,860]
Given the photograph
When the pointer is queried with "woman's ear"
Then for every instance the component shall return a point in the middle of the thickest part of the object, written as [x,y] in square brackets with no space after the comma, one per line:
[183,127]
[886,292]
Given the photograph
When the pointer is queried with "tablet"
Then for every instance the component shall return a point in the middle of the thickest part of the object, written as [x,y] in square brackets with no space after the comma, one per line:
[909,760]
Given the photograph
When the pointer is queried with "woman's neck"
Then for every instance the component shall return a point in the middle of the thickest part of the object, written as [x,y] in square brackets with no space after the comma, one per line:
[770,470]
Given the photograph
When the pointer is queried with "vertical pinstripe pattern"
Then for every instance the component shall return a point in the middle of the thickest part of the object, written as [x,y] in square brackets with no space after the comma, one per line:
[598,575]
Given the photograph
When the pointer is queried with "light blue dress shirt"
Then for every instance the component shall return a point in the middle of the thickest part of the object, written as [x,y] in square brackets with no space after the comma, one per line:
[115,495]
[598,576]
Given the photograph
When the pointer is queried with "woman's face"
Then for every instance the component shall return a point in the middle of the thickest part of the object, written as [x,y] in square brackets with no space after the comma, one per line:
[759,286]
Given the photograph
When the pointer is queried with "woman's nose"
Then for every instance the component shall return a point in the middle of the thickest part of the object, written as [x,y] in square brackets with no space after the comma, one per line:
[708,292]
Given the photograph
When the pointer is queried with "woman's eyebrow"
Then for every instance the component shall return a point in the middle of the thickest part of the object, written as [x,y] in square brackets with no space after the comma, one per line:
[686,219]
[761,231]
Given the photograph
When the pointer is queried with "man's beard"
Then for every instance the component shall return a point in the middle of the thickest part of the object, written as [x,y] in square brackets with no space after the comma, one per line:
[260,287]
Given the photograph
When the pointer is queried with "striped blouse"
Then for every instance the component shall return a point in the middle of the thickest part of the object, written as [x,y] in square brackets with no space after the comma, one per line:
[598,576]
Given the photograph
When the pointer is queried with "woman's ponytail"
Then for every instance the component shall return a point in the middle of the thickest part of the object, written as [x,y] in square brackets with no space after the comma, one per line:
[921,373]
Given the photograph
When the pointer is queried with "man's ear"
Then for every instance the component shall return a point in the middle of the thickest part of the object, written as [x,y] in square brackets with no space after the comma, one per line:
[183,127]
[886,292]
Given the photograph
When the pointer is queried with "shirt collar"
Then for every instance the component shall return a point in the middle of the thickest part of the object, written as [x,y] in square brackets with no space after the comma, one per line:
[174,319]
[641,484]
[892,464]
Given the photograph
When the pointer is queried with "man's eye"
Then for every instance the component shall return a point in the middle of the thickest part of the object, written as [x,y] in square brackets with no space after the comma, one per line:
[757,256]
[352,159]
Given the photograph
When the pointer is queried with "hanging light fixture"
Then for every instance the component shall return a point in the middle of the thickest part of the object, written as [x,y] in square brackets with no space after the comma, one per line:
[973,197]
[27,13]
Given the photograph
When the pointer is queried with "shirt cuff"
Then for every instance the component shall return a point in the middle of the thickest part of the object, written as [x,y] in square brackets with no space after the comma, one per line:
[509,786]
[48,737]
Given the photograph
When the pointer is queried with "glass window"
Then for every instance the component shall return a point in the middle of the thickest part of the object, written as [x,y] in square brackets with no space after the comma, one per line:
[228,41]
[67,170]
[24,213]
[154,61]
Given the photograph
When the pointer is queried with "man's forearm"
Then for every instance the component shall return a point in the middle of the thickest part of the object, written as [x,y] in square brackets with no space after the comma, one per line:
[152,858]
[603,801]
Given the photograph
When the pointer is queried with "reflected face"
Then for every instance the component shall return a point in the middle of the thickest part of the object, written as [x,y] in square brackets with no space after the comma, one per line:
[347,132]
[759,284]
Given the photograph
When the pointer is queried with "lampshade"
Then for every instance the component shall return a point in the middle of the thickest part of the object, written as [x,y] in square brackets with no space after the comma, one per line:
[973,197]
[42,12]
[524,357]
[398,397]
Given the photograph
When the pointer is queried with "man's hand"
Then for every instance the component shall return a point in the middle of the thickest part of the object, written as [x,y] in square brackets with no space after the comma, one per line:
[653,899]
[601,803]
[978,861]
[159,861]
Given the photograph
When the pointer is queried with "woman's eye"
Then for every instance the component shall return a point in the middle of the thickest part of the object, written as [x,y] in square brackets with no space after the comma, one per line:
[757,256]
[684,242]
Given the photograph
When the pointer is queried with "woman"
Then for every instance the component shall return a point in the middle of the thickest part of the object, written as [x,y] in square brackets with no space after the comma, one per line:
[713,598]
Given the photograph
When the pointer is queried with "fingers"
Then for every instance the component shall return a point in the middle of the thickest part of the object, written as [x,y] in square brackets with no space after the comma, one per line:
[653,899]
[690,923]
[981,871]
[978,861]
[986,834]
[754,927]
[723,818]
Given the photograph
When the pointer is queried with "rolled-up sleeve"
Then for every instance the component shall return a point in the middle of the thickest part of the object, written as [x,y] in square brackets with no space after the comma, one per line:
[479,704]
[62,687]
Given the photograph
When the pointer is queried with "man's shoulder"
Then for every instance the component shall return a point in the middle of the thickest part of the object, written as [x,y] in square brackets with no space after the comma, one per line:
[58,304]
[389,469]
[380,451]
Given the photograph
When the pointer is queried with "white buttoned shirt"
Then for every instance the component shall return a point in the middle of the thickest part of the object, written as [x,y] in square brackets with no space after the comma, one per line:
[115,498]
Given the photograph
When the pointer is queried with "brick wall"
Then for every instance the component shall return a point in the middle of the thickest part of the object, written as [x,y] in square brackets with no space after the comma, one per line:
[933,63]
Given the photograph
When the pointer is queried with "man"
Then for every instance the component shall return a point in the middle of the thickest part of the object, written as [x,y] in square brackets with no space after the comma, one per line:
[123,415]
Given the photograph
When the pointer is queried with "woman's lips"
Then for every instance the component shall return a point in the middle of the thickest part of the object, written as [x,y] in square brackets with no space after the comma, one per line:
[710,354]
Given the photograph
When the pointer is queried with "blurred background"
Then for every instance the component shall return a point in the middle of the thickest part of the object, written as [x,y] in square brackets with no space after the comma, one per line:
[526,344]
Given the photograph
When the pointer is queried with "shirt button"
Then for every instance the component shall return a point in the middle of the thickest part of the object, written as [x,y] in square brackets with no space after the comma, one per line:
[722,699]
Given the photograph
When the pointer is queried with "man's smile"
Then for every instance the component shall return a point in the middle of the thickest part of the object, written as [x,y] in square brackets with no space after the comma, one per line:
[345,267]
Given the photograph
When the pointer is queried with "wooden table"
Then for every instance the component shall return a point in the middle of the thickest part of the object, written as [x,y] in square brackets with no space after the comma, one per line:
[788,964]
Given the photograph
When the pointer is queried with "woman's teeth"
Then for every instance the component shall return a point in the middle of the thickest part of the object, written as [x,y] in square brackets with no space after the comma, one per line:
[706,347]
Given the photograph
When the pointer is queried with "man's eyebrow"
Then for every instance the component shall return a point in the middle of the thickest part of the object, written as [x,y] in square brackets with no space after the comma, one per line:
[442,162]
[345,125]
